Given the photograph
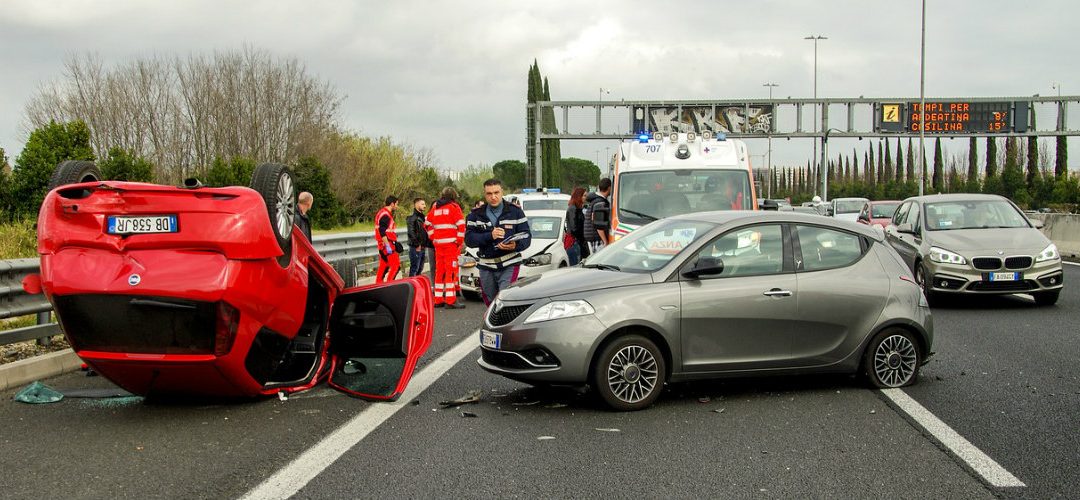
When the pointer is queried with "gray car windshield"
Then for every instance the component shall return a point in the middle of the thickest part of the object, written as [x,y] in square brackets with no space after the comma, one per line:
[849,206]
[983,214]
[883,210]
[650,247]
[544,204]
[545,228]
[646,196]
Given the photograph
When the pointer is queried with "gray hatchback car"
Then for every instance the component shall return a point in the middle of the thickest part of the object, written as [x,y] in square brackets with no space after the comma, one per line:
[714,294]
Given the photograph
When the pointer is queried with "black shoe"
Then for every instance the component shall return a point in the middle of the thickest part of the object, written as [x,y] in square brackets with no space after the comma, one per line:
[439,305]
[455,306]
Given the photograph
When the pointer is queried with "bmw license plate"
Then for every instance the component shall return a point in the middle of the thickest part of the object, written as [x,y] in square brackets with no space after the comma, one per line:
[120,224]
[1004,276]
[491,340]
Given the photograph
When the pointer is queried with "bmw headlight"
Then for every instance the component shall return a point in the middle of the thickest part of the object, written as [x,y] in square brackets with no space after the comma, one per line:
[1048,253]
[560,309]
[944,256]
[538,260]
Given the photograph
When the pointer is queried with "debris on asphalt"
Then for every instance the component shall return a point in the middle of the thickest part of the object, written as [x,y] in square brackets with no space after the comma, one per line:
[873,412]
[415,402]
[38,393]
[606,429]
[718,410]
[530,403]
[470,398]
[704,399]
[545,438]
[281,396]
[555,405]
[468,414]
[938,377]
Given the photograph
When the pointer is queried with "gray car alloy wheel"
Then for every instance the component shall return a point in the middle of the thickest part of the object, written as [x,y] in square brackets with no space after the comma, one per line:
[895,360]
[285,206]
[632,374]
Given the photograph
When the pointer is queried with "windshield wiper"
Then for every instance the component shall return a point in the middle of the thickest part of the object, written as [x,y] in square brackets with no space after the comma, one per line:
[639,214]
[605,267]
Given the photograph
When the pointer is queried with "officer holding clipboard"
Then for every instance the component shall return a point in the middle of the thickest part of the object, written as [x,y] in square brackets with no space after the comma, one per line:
[499,231]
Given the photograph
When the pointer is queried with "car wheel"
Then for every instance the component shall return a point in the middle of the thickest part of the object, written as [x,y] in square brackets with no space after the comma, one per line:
[347,270]
[1046,298]
[274,183]
[922,277]
[892,359]
[74,172]
[629,374]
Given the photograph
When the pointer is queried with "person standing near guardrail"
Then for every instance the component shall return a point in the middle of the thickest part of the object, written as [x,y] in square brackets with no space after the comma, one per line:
[499,231]
[418,237]
[386,238]
[446,229]
[303,204]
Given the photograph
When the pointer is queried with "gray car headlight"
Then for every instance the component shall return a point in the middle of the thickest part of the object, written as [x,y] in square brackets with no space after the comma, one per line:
[944,256]
[560,309]
[1048,253]
[538,260]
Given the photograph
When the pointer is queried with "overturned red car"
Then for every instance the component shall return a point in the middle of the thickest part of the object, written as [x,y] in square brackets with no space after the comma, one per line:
[190,290]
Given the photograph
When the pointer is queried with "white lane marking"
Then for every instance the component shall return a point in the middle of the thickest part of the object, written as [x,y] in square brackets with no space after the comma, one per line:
[985,466]
[1070,263]
[294,476]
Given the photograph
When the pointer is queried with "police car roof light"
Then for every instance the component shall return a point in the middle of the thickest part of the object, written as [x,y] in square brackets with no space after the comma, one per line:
[528,190]
[643,138]
[720,136]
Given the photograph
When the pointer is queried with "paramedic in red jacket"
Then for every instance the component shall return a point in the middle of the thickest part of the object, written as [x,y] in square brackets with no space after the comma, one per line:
[446,229]
[389,262]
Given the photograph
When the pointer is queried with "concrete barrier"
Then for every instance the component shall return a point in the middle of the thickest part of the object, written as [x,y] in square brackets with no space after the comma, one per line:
[1063,230]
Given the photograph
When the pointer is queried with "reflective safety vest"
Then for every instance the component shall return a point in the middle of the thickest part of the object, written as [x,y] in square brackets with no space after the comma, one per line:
[445,224]
[390,234]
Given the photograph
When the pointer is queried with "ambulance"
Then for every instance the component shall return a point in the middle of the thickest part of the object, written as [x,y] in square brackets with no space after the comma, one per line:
[657,176]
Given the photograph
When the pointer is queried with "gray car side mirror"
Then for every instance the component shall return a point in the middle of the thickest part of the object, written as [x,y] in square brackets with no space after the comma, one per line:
[704,266]
[905,228]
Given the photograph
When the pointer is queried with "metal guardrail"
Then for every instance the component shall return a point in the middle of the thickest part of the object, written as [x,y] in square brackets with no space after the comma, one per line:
[341,250]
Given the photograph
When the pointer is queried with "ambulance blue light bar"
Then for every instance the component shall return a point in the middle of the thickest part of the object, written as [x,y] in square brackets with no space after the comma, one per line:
[643,138]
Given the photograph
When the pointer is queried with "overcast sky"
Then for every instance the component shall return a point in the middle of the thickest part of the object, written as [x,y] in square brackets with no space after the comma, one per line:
[452,75]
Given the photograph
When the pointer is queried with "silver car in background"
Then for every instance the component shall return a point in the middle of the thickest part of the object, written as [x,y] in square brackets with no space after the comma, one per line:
[714,294]
[975,244]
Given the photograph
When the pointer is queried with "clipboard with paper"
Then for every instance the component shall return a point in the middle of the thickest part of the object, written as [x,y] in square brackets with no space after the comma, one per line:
[515,237]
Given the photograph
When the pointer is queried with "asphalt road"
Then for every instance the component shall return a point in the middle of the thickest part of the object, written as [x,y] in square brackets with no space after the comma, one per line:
[1004,378]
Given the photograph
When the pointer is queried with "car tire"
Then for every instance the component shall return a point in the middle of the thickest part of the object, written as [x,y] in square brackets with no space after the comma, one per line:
[1046,298]
[274,182]
[74,172]
[347,270]
[629,373]
[923,279]
[892,359]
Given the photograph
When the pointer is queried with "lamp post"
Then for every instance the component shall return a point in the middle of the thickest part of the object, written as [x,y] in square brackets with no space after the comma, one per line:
[825,167]
[768,163]
[922,104]
[815,38]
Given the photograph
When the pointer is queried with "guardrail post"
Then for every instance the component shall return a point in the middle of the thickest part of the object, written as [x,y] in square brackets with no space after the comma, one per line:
[43,319]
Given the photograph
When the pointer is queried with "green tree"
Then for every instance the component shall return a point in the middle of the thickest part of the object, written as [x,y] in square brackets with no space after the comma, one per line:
[511,173]
[1061,163]
[428,184]
[46,147]
[992,182]
[1012,176]
[1032,160]
[888,163]
[121,165]
[326,210]
[899,162]
[939,169]
[578,172]
[973,185]
[910,167]
[552,149]
[235,172]
[5,187]
[956,183]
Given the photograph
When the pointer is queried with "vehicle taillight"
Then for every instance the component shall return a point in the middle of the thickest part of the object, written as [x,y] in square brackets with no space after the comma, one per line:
[228,320]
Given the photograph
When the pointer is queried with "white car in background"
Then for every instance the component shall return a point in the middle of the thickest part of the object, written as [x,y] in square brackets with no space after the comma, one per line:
[848,208]
[546,211]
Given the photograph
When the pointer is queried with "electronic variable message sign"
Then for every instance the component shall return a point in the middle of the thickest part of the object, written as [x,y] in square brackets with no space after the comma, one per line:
[953,117]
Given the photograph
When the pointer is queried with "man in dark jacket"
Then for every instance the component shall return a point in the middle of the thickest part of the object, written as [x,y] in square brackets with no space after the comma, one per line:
[499,231]
[418,238]
[598,216]
[303,204]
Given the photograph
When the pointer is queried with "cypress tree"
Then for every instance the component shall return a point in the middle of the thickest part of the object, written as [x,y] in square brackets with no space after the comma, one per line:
[1012,177]
[991,157]
[530,123]
[1032,161]
[972,185]
[888,163]
[939,168]
[899,162]
[910,167]
[1061,164]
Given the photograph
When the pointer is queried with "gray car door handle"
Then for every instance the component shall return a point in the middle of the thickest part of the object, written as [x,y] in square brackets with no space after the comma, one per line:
[776,292]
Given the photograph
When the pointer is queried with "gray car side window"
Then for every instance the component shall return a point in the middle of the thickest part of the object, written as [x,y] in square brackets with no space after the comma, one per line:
[824,248]
[913,217]
[901,213]
[746,251]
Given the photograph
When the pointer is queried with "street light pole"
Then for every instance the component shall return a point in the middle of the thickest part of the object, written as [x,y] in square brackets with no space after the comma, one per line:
[768,163]
[815,38]
[922,104]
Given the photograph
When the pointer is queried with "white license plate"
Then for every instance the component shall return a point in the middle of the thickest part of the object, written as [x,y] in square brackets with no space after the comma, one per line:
[1003,277]
[491,340]
[119,224]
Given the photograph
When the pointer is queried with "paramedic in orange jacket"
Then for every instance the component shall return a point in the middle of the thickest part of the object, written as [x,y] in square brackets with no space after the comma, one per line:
[446,229]
[386,238]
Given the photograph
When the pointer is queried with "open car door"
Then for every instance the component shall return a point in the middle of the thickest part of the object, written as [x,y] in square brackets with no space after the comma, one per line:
[377,335]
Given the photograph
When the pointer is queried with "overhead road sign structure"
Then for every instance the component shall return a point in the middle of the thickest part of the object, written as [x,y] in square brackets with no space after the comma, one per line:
[955,116]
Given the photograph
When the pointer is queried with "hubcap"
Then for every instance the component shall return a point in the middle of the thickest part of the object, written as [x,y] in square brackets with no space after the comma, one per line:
[895,360]
[632,374]
[285,205]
